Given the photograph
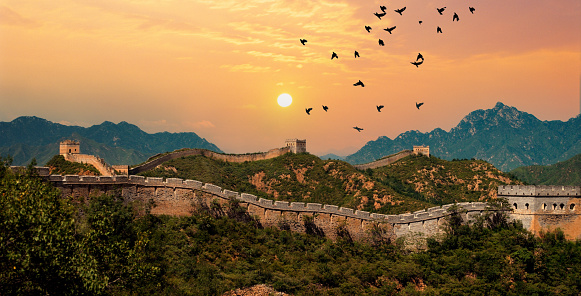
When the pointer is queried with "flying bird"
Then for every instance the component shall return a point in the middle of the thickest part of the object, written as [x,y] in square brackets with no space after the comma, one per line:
[308,110]
[420,56]
[455,17]
[379,108]
[383,8]
[381,42]
[359,83]
[368,28]
[420,22]
[358,128]
[418,105]
[379,15]
[439,30]
[356,54]
[334,55]
[400,10]
[325,108]
[471,9]
[389,29]
[417,64]
[440,10]
[303,41]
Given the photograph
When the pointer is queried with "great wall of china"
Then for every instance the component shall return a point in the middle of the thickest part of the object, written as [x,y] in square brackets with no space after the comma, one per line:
[540,208]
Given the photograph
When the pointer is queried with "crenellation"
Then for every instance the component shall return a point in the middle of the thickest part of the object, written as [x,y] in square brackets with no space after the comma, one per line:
[347,211]
[249,197]
[193,184]
[230,194]
[362,214]
[331,208]
[282,204]
[121,179]
[314,206]
[154,181]
[300,206]
[140,180]
[211,188]
[106,179]
[55,178]
[174,181]
[71,178]
[89,179]
[266,202]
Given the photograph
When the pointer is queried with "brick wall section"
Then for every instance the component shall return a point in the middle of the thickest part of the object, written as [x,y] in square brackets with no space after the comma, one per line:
[384,161]
[97,162]
[540,208]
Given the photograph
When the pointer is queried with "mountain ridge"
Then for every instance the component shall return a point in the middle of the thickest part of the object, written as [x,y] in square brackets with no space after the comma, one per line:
[504,136]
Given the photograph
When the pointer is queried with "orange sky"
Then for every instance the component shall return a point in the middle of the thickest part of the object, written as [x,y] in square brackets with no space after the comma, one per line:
[216,67]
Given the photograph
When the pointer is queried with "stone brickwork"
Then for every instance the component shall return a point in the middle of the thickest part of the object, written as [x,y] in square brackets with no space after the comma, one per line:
[542,208]
[97,162]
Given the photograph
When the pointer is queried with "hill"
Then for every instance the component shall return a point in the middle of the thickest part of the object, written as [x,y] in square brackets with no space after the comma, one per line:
[29,137]
[503,136]
[307,178]
[562,173]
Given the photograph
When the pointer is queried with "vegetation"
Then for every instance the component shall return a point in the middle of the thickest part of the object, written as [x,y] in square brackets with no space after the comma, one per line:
[51,245]
[294,177]
[562,173]
[58,165]
[413,183]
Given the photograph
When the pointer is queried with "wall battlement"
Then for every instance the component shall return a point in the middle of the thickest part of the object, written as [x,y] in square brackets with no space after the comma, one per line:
[539,208]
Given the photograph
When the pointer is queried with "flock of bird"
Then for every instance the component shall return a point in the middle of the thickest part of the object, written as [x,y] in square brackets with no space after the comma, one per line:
[419,59]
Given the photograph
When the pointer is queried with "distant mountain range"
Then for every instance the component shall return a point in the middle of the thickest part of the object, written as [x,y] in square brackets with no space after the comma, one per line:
[504,136]
[29,137]
[567,172]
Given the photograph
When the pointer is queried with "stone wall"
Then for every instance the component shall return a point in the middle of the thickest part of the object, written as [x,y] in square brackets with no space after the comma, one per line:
[97,162]
[384,161]
[149,165]
[542,208]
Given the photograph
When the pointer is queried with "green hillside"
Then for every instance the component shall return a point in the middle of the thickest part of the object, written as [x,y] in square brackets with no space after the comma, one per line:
[307,178]
[562,173]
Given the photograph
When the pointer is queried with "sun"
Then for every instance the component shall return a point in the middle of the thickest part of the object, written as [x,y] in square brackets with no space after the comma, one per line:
[284,100]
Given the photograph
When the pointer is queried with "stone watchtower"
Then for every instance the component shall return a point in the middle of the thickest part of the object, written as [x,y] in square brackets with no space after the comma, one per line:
[70,147]
[296,145]
[422,150]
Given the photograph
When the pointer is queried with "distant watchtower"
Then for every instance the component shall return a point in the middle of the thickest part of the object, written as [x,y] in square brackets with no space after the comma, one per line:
[296,145]
[422,150]
[70,147]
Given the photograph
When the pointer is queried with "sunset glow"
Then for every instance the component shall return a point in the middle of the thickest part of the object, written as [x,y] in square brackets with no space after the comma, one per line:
[201,65]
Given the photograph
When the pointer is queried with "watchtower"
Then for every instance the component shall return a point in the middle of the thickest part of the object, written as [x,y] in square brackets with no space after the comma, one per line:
[422,150]
[70,147]
[296,145]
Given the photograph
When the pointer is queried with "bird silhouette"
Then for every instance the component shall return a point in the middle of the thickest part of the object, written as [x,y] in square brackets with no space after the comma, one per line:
[358,128]
[379,15]
[334,55]
[439,30]
[417,64]
[368,28]
[389,29]
[308,110]
[381,42]
[400,10]
[420,22]
[418,105]
[455,17]
[383,8]
[303,41]
[379,108]
[471,9]
[356,54]
[420,56]
[440,10]
[359,83]
[325,108]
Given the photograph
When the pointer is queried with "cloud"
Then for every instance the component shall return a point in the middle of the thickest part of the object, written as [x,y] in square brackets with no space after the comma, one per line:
[246,68]
[204,124]
[11,17]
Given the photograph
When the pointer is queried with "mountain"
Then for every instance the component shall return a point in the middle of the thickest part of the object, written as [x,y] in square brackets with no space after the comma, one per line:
[30,137]
[331,156]
[567,172]
[503,136]
[410,184]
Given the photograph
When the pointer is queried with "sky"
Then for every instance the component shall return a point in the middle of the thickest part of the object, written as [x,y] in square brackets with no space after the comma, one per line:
[216,68]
